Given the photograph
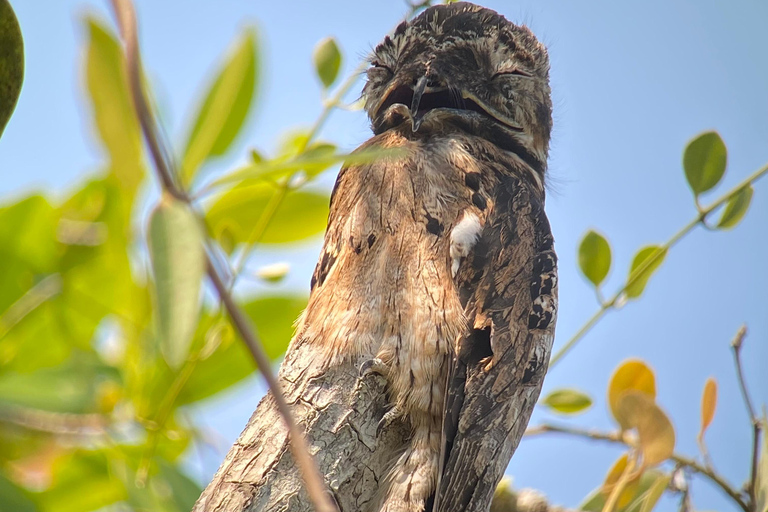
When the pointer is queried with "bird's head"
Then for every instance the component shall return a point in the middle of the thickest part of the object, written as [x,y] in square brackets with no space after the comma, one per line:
[463,67]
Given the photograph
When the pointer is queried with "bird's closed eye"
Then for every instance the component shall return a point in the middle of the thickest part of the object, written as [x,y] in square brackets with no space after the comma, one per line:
[377,64]
[513,71]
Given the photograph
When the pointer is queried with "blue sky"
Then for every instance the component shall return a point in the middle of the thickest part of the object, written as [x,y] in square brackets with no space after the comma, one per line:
[632,83]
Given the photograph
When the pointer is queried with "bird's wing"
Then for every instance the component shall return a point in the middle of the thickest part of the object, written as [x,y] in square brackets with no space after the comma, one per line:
[508,284]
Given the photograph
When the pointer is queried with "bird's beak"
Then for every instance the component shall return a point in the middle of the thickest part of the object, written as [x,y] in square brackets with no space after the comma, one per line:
[418,91]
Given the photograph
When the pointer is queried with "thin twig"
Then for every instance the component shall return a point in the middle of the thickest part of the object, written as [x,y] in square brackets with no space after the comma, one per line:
[756,427]
[312,479]
[617,437]
[618,297]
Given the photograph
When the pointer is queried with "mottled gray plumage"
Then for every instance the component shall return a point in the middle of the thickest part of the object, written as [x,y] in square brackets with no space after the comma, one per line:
[438,273]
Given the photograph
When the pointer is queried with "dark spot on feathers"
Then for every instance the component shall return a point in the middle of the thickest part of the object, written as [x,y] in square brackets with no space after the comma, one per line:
[357,247]
[371,240]
[479,201]
[476,346]
[472,179]
[322,269]
[434,226]
[539,318]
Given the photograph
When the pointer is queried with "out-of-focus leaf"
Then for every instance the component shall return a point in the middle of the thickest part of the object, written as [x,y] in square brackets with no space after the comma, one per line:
[232,362]
[761,480]
[704,161]
[178,264]
[112,106]
[632,374]
[567,401]
[327,58]
[183,491]
[596,499]
[225,107]
[11,62]
[655,432]
[594,257]
[300,215]
[504,497]
[615,474]
[639,278]
[708,406]
[68,388]
[82,481]
[12,497]
[273,273]
[736,208]
[649,498]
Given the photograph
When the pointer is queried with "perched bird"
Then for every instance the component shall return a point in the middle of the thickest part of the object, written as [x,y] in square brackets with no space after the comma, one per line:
[432,306]
[438,264]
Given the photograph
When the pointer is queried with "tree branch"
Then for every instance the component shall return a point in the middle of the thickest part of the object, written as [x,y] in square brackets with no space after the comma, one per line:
[618,438]
[313,481]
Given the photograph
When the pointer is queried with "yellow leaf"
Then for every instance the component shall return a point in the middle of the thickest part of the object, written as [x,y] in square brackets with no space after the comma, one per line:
[612,478]
[708,405]
[652,495]
[632,374]
[654,430]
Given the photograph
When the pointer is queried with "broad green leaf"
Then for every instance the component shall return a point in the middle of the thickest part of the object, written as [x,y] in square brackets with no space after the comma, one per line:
[639,273]
[736,208]
[596,499]
[12,497]
[178,263]
[647,501]
[708,405]
[327,58]
[567,401]
[183,490]
[112,105]
[231,362]
[301,214]
[761,483]
[655,432]
[632,374]
[72,387]
[704,161]
[594,257]
[11,62]
[225,107]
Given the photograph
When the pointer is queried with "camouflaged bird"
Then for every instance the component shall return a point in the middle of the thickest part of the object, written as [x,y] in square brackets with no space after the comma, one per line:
[438,265]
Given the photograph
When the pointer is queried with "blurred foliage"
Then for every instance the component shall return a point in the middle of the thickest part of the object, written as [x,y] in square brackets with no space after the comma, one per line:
[104,339]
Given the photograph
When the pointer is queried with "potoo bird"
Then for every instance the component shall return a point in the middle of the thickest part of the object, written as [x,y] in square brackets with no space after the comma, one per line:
[437,273]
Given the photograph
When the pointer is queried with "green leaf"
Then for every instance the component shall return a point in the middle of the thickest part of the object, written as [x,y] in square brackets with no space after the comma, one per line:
[648,500]
[231,362]
[178,263]
[327,58]
[12,497]
[594,257]
[567,401]
[704,161]
[596,499]
[639,273]
[11,62]
[735,208]
[301,214]
[112,105]
[183,490]
[225,107]
[68,388]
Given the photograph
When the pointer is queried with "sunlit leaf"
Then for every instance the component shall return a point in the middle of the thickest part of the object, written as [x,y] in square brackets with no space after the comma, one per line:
[11,62]
[504,497]
[632,374]
[327,58]
[650,497]
[112,106]
[655,432]
[12,497]
[594,257]
[300,215]
[612,479]
[273,273]
[704,161]
[641,271]
[736,208]
[708,405]
[178,263]
[567,401]
[596,499]
[225,107]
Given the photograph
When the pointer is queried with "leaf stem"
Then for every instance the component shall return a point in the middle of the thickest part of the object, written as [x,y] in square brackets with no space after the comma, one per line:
[736,345]
[637,273]
[618,438]
[315,486]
